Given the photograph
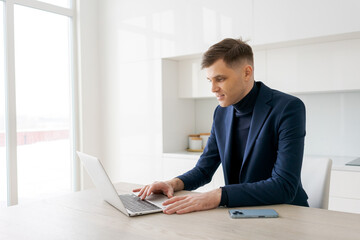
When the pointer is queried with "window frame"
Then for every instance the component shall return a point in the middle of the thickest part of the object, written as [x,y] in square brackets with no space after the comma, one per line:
[10,91]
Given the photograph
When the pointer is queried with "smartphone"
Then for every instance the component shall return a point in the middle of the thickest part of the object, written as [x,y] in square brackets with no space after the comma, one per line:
[253,213]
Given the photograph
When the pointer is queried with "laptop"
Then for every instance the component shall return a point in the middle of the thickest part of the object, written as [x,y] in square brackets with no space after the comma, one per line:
[355,162]
[129,204]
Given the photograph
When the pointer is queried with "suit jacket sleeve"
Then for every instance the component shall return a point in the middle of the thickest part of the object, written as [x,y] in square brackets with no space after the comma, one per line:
[206,166]
[284,182]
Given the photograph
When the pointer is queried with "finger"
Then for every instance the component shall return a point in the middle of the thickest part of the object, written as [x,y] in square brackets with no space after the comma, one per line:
[187,209]
[169,193]
[142,191]
[166,190]
[149,191]
[143,195]
[173,200]
[174,208]
[154,188]
[137,190]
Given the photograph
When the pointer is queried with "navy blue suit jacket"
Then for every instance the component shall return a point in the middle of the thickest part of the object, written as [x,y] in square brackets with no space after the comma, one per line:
[270,171]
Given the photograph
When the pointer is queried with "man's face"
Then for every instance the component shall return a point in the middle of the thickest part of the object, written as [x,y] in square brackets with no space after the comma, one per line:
[230,84]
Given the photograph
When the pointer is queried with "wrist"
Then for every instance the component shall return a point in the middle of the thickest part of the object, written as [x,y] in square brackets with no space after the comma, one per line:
[217,196]
[176,184]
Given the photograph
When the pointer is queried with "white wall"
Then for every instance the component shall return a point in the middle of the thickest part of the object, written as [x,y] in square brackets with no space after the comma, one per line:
[204,112]
[332,123]
[133,36]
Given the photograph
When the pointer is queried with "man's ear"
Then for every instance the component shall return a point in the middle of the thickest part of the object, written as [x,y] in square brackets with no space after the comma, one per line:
[248,72]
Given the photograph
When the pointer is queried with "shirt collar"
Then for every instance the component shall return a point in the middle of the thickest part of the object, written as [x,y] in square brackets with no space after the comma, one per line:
[246,105]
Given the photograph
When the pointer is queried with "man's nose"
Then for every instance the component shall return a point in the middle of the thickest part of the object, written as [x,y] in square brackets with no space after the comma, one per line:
[214,87]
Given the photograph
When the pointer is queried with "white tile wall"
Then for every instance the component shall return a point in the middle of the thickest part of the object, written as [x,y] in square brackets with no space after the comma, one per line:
[332,123]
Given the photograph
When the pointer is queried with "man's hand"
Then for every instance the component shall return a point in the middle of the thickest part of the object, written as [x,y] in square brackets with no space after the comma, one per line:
[167,188]
[192,203]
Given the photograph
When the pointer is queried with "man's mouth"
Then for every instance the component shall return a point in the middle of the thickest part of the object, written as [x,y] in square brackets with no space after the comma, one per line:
[220,96]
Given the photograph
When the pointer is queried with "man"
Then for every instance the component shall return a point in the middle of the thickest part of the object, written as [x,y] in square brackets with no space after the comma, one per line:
[257,135]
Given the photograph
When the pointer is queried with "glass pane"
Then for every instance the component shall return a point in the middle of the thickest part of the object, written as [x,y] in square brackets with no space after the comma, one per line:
[3,195]
[61,3]
[43,101]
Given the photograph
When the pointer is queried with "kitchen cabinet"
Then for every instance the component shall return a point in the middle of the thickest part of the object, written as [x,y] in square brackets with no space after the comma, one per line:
[282,20]
[192,79]
[345,190]
[317,67]
[322,64]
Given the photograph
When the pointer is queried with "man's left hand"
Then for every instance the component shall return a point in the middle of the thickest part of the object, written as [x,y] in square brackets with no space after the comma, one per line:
[194,202]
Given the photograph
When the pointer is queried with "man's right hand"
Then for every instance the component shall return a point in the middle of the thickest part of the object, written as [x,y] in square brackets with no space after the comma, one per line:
[167,188]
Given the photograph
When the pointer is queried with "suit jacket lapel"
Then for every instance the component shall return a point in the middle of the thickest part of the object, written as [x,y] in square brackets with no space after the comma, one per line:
[260,113]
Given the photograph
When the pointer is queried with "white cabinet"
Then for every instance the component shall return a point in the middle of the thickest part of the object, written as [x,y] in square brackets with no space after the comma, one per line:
[283,20]
[344,204]
[317,67]
[192,79]
[345,191]
[324,64]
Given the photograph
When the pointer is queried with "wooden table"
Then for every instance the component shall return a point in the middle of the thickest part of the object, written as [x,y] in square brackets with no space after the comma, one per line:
[84,215]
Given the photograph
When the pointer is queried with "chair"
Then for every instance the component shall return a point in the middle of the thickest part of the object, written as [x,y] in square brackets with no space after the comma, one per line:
[315,177]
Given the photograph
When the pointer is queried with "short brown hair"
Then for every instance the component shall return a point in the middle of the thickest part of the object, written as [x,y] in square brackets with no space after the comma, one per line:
[232,51]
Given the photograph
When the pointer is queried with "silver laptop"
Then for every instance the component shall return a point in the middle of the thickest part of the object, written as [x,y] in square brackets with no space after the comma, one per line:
[129,204]
[355,162]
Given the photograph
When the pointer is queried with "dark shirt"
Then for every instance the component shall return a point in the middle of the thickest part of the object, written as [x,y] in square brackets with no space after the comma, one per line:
[240,130]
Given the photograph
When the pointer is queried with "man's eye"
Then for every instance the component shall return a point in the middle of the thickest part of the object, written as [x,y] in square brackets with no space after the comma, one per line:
[218,79]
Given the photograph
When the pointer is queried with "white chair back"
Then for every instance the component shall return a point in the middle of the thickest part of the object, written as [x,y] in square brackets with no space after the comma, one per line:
[315,177]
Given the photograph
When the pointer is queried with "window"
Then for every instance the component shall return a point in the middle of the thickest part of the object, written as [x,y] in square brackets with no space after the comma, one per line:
[40,81]
[42,103]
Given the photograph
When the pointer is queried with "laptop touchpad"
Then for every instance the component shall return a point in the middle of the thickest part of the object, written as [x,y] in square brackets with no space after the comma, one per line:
[157,199]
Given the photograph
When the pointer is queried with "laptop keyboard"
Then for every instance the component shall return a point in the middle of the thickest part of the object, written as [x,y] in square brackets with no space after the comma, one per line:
[135,204]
